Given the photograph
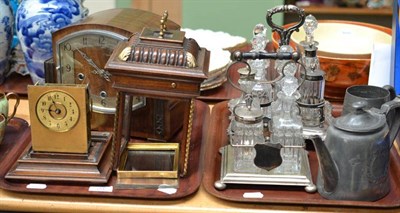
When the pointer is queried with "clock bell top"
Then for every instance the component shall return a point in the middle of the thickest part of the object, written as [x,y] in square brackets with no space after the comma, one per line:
[159,59]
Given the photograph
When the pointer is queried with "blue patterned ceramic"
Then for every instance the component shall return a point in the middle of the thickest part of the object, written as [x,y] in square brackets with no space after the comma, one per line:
[35,21]
[6,28]
[17,60]
[14,6]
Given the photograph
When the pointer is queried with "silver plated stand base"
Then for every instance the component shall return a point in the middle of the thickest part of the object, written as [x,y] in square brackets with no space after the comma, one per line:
[258,176]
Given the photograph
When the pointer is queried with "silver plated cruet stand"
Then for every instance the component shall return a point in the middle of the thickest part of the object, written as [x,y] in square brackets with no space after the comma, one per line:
[276,155]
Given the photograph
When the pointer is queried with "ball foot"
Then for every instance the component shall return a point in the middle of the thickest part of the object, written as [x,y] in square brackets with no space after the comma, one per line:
[311,188]
[219,185]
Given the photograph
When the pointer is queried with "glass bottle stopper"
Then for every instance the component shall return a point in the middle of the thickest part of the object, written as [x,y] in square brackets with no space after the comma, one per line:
[259,40]
[309,44]
[310,25]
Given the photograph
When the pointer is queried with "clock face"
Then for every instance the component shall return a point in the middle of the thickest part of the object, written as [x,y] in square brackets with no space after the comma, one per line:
[81,59]
[57,111]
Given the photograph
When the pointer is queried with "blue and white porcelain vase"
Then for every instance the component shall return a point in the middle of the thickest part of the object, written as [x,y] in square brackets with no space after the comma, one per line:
[6,27]
[35,22]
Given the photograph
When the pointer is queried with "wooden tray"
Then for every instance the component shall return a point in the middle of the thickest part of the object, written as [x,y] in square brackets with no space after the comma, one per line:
[16,83]
[217,138]
[224,92]
[18,137]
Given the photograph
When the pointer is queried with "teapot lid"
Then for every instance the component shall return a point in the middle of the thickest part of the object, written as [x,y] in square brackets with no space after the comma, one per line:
[360,120]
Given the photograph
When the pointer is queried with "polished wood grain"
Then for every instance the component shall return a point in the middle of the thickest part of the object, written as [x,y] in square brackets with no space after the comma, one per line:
[92,168]
[158,120]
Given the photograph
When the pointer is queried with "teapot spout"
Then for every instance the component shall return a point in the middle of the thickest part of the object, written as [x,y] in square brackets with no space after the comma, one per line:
[328,168]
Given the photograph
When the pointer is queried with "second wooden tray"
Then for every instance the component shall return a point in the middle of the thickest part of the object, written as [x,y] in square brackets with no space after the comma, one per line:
[217,138]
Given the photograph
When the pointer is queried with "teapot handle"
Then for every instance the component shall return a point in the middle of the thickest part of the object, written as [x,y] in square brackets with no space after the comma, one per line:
[391,90]
[392,111]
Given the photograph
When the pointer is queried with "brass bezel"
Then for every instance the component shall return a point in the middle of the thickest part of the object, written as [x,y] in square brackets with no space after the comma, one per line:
[75,104]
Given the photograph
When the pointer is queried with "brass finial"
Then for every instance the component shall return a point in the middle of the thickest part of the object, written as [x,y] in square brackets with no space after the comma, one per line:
[163,25]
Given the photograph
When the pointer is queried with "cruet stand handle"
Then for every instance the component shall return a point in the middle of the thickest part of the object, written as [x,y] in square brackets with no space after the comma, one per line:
[285,33]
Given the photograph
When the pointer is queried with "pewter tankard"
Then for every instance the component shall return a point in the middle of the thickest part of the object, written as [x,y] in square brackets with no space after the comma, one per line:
[374,96]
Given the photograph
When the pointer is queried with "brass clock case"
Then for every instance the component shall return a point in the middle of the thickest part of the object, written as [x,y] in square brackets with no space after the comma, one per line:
[60,118]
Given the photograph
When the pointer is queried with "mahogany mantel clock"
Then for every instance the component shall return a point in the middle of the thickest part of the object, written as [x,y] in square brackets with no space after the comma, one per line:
[81,50]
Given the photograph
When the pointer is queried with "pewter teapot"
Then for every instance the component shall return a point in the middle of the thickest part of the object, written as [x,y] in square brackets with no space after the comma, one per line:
[354,159]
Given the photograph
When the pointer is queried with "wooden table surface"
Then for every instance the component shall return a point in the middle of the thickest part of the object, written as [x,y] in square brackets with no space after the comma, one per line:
[201,201]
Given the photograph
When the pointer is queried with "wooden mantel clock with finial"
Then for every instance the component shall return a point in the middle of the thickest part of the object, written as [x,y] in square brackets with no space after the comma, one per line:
[82,49]
[160,64]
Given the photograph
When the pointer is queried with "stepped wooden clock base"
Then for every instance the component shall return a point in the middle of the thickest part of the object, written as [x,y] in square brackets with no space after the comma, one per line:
[92,167]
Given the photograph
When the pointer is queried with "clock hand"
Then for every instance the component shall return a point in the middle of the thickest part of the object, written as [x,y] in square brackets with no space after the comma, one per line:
[54,104]
[88,59]
[57,111]
[103,73]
